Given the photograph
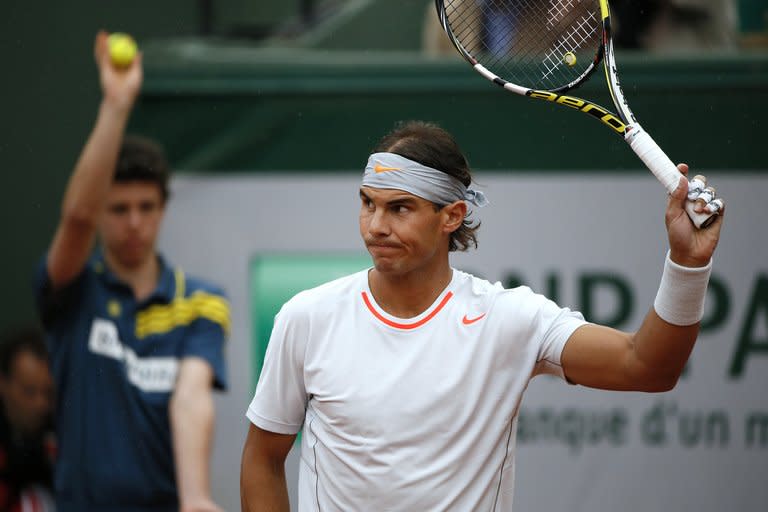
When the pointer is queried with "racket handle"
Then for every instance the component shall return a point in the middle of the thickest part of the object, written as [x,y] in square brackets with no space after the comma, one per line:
[662,167]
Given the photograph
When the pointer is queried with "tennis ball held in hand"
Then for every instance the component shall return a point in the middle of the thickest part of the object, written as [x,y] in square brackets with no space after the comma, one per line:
[122,49]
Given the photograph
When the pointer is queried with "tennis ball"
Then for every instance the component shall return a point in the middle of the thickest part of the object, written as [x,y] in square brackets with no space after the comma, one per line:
[122,49]
[570,58]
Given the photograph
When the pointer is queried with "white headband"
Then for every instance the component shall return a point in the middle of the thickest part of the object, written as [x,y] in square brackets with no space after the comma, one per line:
[391,171]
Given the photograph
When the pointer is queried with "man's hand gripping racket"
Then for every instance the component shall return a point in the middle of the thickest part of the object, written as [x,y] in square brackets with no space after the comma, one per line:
[544,48]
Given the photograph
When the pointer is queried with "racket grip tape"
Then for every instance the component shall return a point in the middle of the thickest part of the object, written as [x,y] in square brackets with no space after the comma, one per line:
[662,167]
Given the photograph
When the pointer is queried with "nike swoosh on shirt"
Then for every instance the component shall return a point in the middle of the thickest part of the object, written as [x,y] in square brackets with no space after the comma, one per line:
[380,168]
[468,321]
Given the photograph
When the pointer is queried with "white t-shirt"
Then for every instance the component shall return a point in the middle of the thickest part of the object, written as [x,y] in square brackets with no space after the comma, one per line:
[408,415]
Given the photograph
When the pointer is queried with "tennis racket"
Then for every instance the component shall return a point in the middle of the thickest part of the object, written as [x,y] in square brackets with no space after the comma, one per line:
[544,48]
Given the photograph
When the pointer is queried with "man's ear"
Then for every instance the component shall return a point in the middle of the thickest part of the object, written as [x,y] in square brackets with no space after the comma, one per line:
[454,215]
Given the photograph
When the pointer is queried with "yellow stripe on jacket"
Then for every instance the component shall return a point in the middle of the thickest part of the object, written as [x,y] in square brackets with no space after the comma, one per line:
[183,311]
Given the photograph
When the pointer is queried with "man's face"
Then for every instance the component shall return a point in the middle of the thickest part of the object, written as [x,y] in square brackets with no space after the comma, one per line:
[27,393]
[131,223]
[401,231]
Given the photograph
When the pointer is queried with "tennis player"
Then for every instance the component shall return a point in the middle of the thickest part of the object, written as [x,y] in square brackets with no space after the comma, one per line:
[406,378]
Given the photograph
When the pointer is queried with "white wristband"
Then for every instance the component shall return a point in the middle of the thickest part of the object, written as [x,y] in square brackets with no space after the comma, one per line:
[680,299]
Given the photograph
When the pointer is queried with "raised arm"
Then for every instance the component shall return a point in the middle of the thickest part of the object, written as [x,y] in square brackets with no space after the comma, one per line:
[652,358]
[192,419]
[84,198]
[262,475]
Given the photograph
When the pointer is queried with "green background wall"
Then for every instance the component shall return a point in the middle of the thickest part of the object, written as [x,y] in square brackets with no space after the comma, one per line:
[248,109]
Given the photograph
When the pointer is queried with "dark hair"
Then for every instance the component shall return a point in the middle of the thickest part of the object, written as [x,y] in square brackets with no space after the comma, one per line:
[430,145]
[23,339]
[142,159]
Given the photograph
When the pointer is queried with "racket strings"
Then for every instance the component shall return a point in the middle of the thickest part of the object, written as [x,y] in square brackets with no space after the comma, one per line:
[558,11]
[464,31]
[579,36]
[539,44]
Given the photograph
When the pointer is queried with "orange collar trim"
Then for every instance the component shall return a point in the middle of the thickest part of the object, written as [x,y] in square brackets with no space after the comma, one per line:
[413,325]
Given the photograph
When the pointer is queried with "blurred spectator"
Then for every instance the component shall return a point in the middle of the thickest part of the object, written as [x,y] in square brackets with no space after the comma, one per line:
[668,26]
[500,20]
[136,344]
[492,20]
[26,438]
[661,26]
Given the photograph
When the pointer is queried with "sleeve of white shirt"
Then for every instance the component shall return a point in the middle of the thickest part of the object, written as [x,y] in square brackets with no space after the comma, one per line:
[280,399]
[554,326]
